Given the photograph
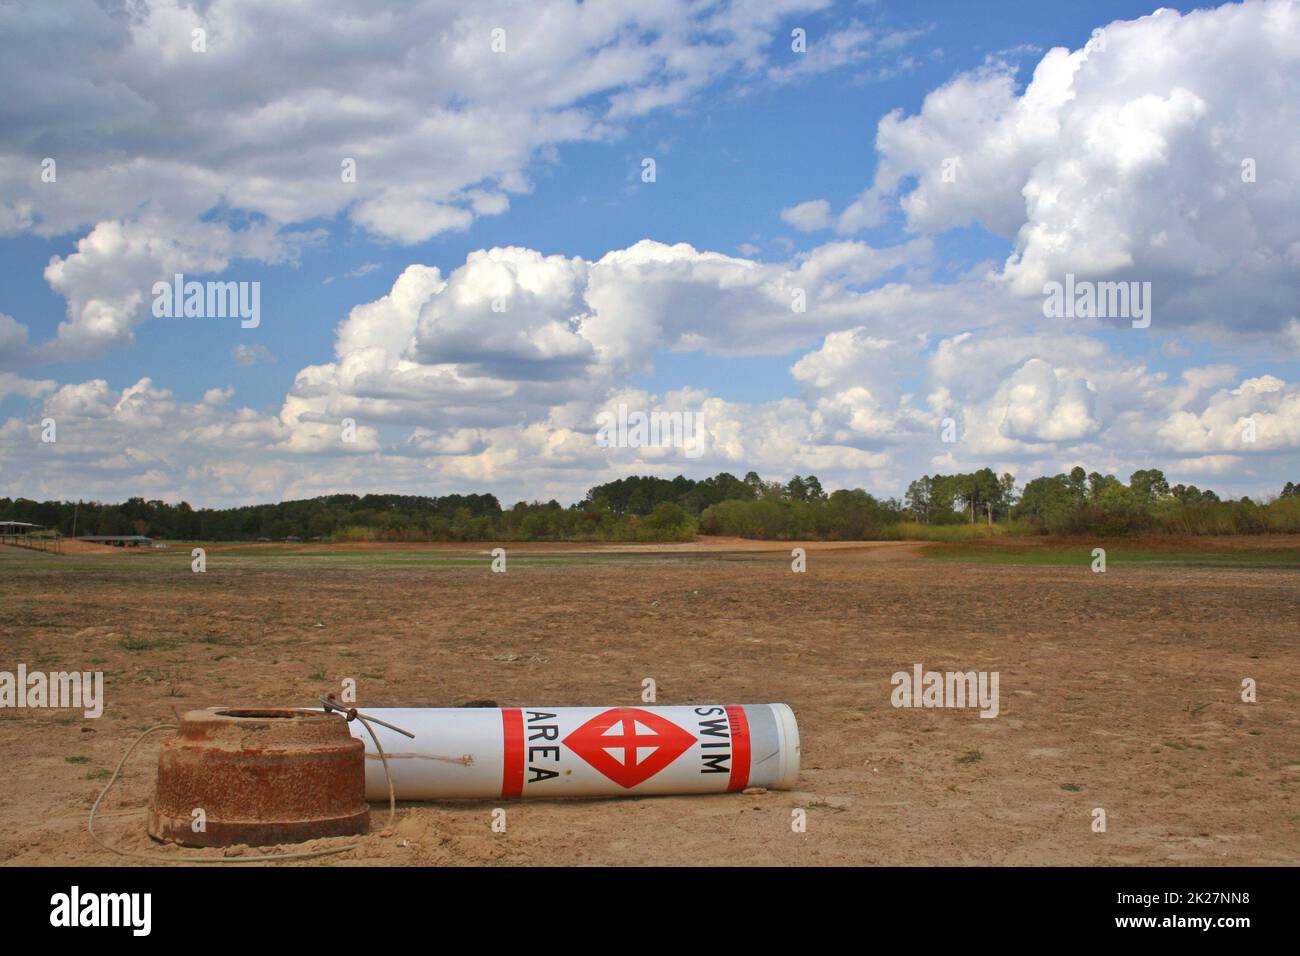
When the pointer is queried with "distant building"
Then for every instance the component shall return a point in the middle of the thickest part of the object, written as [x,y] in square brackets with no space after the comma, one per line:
[28,535]
[118,540]
[19,527]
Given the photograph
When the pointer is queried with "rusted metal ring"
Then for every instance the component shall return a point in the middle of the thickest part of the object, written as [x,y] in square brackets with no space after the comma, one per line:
[259,776]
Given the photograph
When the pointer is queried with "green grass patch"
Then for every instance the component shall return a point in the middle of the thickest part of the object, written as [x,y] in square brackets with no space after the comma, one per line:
[1116,556]
[459,560]
[146,644]
[979,531]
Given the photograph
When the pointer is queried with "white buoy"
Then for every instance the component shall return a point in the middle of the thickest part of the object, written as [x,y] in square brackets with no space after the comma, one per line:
[581,751]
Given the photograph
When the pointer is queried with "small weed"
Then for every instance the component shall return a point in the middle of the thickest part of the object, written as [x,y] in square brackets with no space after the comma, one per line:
[145,644]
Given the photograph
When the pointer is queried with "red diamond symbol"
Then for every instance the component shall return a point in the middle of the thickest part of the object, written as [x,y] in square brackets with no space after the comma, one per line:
[645,742]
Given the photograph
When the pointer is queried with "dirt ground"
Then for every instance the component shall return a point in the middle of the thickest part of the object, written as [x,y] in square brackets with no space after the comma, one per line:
[1119,691]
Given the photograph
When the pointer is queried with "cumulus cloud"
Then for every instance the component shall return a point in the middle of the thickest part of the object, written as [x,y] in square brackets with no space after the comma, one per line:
[512,334]
[410,124]
[500,395]
[248,355]
[143,436]
[1260,414]
[1209,464]
[107,280]
[509,314]
[14,350]
[1034,403]
[439,111]
[447,392]
[871,414]
[1163,151]
[808,216]
[11,384]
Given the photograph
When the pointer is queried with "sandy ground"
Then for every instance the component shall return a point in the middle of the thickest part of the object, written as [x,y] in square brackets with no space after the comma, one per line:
[1118,691]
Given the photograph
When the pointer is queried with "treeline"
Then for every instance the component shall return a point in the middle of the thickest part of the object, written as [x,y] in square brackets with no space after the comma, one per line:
[950,499]
[1092,503]
[647,508]
[750,507]
[412,517]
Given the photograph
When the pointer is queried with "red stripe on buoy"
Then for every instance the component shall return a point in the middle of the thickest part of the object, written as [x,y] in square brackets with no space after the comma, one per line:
[512,775]
[739,748]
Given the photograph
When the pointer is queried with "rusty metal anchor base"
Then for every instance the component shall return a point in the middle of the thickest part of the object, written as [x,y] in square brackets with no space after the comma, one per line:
[258,777]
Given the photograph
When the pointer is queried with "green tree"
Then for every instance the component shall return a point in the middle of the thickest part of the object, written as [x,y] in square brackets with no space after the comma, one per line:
[1077,482]
[1148,485]
[918,497]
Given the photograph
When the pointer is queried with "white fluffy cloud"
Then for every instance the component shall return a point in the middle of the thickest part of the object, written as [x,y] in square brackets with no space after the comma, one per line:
[442,105]
[1261,414]
[872,411]
[163,111]
[512,333]
[808,216]
[446,392]
[871,414]
[107,280]
[1163,151]
[11,384]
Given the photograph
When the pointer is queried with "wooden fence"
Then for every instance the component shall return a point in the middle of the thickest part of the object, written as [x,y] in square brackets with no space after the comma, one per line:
[52,543]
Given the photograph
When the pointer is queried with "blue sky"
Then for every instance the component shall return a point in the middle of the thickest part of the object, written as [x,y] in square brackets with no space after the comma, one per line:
[738,145]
